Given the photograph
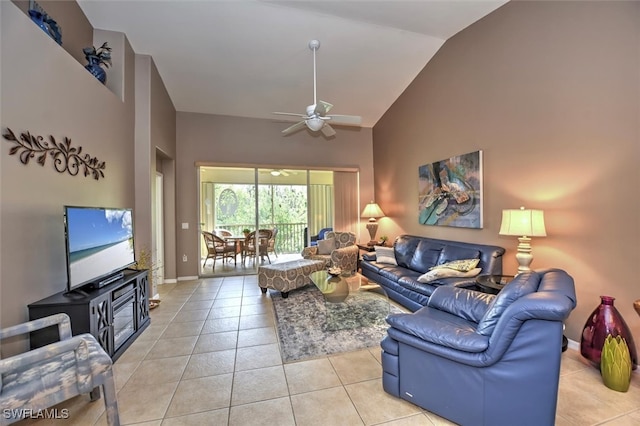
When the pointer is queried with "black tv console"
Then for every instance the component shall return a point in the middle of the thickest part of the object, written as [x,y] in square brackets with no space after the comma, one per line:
[114,314]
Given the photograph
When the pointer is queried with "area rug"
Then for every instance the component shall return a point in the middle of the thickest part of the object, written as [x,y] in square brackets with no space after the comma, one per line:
[309,328]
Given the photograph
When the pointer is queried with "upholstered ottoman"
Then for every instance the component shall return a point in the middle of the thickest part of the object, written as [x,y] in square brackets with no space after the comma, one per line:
[287,276]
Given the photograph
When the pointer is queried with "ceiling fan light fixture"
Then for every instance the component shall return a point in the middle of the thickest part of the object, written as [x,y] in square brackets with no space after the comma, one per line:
[275,172]
[316,113]
[314,124]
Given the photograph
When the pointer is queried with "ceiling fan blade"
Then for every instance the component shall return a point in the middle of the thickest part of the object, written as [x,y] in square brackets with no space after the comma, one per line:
[323,107]
[299,125]
[353,120]
[290,113]
[328,130]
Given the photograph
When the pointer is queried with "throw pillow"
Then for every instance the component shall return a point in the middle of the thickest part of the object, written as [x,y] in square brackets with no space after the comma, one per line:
[326,246]
[438,273]
[463,265]
[385,255]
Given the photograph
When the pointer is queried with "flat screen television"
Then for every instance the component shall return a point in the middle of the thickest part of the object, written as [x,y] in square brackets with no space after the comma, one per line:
[99,244]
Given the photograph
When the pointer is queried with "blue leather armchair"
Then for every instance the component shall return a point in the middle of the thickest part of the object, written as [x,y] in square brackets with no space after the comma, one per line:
[480,359]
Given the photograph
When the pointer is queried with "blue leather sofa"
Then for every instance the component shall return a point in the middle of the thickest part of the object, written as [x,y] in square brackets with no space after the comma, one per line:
[480,359]
[415,256]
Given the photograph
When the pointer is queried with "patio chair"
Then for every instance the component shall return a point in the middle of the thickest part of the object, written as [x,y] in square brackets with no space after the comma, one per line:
[46,376]
[222,233]
[272,242]
[264,235]
[217,247]
[315,238]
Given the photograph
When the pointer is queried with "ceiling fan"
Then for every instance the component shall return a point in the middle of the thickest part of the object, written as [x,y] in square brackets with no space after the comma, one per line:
[279,172]
[316,117]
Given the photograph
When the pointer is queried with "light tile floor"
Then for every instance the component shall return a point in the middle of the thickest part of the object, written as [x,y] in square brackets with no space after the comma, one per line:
[211,357]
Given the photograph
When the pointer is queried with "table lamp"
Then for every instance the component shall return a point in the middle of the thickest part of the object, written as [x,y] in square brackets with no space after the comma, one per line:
[523,223]
[372,211]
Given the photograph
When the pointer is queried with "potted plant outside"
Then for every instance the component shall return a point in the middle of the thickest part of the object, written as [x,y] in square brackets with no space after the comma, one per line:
[96,58]
[246,231]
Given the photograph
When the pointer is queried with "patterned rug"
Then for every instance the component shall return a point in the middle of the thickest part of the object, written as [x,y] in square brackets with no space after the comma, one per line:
[309,328]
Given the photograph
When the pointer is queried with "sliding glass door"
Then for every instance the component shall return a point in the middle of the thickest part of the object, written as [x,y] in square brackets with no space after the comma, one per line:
[294,205]
[228,205]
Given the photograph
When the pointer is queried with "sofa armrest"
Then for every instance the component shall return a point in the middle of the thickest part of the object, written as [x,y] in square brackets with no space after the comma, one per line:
[309,251]
[464,303]
[61,320]
[371,257]
[440,328]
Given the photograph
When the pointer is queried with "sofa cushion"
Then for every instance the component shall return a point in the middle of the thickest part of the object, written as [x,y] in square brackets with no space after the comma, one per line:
[521,285]
[405,247]
[413,284]
[440,328]
[426,255]
[438,273]
[385,255]
[326,246]
[452,252]
[392,272]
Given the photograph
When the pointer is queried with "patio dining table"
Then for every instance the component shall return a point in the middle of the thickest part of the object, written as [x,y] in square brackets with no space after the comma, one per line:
[238,240]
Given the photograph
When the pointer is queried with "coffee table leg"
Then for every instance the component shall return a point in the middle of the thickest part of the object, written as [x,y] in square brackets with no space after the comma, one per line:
[284,294]
[263,289]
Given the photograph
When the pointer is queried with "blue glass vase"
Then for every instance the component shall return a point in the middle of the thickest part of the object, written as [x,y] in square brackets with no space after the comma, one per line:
[38,18]
[98,72]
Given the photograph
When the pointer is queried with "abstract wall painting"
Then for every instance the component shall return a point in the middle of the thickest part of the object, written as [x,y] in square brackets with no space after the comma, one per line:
[450,192]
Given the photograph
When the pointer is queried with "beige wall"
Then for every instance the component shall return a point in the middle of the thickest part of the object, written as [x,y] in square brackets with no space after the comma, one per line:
[64,100]
[235,140]
[163,138]
[48,92]
[155,138]
[550,91]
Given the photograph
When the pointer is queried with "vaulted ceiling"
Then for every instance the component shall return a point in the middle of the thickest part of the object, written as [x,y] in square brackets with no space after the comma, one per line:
[249,58]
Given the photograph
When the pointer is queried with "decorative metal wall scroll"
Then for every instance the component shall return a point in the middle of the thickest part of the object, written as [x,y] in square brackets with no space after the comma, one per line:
[65,157]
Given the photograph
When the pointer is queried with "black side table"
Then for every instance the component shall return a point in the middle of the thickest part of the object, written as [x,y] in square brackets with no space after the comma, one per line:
[492,284]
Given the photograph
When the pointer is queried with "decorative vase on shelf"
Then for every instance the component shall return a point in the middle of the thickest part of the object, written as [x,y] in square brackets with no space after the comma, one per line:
[96,70]
[38,18]
[615,364]
[605,320]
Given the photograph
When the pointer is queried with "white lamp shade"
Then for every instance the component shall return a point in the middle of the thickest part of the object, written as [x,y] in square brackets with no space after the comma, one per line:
[523,222]
[372,210]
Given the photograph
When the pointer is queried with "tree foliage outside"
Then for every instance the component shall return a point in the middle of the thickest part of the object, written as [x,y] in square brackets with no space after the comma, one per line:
[283,206]
[276,204]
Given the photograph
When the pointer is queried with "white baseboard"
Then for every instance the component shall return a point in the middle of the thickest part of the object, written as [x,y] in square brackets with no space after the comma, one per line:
[187,278]
[169,281]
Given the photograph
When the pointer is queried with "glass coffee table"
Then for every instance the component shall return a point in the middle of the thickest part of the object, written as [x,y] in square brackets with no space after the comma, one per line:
[351,301]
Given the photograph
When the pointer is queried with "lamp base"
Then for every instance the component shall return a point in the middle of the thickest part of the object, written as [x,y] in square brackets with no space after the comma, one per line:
[372,227]
[524,256]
